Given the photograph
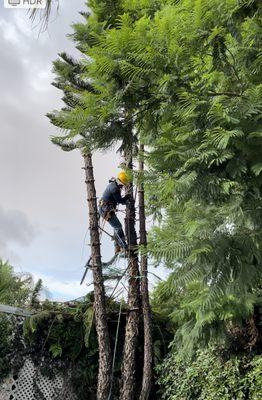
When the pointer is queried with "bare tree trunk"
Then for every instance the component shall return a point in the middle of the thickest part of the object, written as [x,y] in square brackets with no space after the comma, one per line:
[104,372]
[148,344]
[131,334]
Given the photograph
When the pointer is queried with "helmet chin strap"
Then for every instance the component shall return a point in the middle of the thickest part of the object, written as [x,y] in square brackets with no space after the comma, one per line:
[119,182]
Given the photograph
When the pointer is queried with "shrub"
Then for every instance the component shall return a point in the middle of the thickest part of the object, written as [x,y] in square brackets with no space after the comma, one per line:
[211,377]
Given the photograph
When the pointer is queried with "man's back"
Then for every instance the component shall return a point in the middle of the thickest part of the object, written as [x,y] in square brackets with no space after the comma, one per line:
[112,194]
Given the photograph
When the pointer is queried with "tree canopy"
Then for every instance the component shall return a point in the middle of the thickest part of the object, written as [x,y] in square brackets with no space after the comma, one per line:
[183,78]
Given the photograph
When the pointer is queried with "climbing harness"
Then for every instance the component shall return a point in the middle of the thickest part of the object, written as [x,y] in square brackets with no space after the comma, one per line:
[110,208]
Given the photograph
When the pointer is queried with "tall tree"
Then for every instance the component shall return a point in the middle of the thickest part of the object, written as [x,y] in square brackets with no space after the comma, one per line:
[147,319]
[115,109]
[134,303]
[192,77]
[113,115]
[205,158]
[189,74]
[69,81]
[104,374]
[91,114]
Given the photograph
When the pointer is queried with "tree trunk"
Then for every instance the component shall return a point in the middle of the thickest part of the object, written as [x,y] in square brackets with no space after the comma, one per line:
[131,334]
[104,372]
[148,345]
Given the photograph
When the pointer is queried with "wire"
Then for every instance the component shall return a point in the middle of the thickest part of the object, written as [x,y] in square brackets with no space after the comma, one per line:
[87,266]
[108,234]
[114,355]
[118,281]
[83,245]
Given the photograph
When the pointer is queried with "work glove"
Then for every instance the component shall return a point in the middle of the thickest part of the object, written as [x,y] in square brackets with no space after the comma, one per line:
[127,197]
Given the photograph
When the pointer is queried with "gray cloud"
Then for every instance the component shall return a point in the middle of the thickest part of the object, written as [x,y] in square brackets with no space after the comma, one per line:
[44,183]
[15,228]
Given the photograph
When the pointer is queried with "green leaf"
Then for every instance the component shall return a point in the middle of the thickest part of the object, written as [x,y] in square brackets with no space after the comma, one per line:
[56,350]
[257,168]
[88,323]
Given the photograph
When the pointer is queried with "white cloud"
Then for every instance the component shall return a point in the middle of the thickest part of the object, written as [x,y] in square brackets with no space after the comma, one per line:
[40,80]
[12,35]
[62,290]
[9,31]
[22,24]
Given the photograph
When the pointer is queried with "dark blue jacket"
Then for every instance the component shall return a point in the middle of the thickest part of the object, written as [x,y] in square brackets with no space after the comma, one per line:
[112,195]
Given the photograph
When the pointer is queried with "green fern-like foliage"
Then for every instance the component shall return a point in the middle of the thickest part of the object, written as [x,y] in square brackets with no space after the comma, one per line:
[95,115]
[184,76]
[199,319]
[205,162]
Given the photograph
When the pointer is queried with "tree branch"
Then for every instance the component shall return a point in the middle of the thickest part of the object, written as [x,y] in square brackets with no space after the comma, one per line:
[230,94]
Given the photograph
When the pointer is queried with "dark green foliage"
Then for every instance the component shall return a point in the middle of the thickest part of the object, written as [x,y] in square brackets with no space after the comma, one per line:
[185,77]
[235,321]
[5,339]
[36,294]
[61,338]
[56,341]
[206,157]
[209,376]
[15,289]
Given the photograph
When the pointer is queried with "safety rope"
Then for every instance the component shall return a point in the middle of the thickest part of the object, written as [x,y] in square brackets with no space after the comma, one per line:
[118,281]
[108,234]
[115,288]
[115,349]
[87,266]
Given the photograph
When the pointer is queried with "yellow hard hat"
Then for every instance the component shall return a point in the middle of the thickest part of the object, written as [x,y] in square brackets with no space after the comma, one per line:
[123,178]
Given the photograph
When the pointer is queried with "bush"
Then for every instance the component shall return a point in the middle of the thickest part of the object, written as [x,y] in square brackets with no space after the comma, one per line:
[5,337]
[210,377]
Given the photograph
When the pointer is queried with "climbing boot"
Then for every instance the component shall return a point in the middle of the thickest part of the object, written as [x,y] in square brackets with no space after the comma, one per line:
[118,249]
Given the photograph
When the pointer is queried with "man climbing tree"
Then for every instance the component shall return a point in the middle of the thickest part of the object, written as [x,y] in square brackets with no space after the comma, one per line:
[108,117]
[107,207]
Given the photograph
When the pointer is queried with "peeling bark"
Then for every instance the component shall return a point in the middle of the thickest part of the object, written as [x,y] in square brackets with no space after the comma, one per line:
[146,309]
[105,363]
[132,323]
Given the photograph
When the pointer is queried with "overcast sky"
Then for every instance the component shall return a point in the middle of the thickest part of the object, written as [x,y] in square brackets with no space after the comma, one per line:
[43,211]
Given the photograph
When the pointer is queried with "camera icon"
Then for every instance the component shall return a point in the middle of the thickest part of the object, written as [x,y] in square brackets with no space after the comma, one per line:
[14,2]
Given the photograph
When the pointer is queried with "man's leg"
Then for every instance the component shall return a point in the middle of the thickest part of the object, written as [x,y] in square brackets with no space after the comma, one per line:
[119,233]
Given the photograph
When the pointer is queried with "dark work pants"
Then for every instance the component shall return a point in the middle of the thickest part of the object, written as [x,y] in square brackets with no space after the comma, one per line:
[116,225]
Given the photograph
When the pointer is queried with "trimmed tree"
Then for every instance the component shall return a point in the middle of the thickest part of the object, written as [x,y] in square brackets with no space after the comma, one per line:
[68,80]
[146,309]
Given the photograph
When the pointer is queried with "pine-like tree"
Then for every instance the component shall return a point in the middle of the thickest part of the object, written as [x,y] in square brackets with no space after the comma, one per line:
[186,78]
[192,77]
[146,308]
[68,79]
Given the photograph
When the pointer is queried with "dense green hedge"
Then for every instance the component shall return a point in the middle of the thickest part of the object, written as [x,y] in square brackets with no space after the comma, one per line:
[210,377]
[5,335]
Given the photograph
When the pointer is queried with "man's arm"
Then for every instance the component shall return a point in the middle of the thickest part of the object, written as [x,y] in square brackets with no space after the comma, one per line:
[116,193]
[124,199]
